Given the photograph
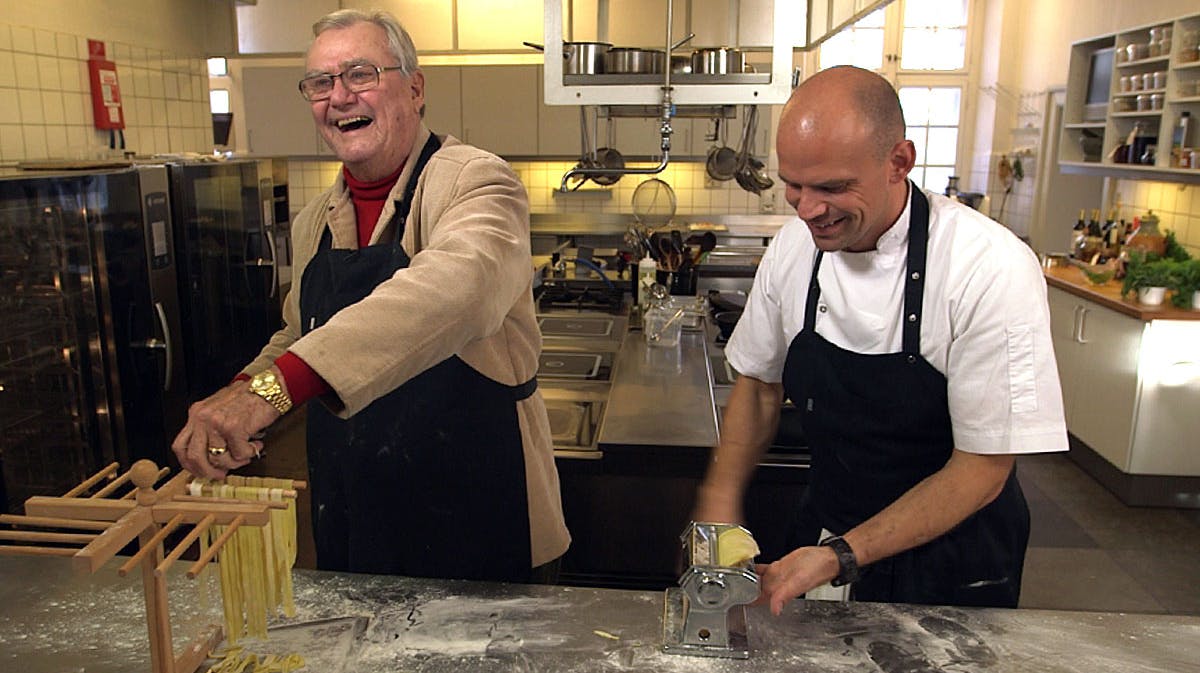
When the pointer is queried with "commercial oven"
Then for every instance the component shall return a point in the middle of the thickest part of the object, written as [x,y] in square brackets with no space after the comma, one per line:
[91,359]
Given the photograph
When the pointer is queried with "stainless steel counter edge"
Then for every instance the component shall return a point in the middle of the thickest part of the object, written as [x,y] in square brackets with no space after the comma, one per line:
[661,396]
[53,621]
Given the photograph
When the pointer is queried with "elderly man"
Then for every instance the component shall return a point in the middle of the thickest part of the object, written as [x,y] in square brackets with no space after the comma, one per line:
[414,325]
[913,335]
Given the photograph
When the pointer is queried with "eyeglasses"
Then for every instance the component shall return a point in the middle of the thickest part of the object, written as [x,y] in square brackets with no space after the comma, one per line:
[356,78]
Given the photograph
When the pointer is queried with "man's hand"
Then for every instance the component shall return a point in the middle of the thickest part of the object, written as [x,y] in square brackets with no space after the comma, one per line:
[795,574]
[228,419]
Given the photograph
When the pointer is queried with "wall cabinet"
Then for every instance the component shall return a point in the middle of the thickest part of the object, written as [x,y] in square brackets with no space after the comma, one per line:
[443,99]
[1125,83]
[500,108]
[1131,388]
[278,121]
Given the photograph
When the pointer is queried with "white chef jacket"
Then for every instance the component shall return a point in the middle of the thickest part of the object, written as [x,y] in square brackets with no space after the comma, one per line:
[985,323]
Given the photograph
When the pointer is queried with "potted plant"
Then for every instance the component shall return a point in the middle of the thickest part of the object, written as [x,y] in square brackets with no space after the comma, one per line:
[1186,284]
[1150,279]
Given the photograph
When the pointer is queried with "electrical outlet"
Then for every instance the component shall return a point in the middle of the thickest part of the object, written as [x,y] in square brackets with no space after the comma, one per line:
[766,201]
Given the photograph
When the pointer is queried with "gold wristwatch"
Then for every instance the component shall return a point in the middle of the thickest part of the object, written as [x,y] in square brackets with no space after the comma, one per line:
[267,386]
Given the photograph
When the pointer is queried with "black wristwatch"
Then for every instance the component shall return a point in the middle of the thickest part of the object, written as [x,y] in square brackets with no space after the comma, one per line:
[847,563]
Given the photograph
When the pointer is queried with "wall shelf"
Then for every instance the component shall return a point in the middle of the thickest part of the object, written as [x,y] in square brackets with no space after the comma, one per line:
[1082,104]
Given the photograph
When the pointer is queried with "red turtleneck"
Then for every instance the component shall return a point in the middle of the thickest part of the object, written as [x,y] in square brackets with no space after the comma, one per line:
[303,383]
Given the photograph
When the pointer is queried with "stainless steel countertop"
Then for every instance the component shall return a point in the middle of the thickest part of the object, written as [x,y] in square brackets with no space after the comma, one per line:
[661,396]
[53,621]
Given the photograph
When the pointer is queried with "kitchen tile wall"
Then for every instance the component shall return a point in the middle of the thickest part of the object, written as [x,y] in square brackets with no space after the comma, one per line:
[46,110]
[1177,207]
[695,194]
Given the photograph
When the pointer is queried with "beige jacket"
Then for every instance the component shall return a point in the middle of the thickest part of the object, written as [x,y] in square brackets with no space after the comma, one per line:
[467,292]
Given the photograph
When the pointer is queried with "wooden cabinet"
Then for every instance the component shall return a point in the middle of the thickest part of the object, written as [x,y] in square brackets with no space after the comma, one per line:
[500,108]
[1123,85]
[278,121]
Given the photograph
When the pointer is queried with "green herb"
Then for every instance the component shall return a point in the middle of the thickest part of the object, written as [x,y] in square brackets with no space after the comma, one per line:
[1174,251]
[1185,283]
[1148,271]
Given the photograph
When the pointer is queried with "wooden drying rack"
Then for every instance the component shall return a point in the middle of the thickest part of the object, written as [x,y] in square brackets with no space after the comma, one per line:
[149,515]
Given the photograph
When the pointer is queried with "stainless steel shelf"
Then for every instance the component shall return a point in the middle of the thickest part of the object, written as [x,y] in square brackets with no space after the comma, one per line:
[682,79]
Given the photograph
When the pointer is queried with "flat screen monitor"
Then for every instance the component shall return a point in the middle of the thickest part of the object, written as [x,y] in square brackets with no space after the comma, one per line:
[1099,83]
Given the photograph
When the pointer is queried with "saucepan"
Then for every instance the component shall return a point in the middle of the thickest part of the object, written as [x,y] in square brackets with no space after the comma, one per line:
[581,58]
[718,61]
[632,61]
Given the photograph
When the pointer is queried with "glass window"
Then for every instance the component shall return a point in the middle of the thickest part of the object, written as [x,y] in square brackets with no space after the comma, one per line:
[932,114]
[218,67]
[861,44]
[218,100]
[934,35]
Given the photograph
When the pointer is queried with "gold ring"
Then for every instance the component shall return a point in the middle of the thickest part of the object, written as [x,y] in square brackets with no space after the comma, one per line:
[216,450]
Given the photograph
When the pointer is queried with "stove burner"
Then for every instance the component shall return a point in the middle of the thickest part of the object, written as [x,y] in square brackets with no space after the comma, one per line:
[589,298]
[568,365]
[580,326]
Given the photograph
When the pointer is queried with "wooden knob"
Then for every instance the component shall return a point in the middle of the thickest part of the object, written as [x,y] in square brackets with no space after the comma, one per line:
[144,473]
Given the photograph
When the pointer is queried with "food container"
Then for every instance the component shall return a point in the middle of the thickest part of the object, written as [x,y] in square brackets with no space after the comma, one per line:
[581,58]
[1124,84]
[1123,104]
[1160,79]
[631,61]
[1156,101]
[1143,102]
[1135,82]
[1148,80]
[1137,51]
[718,61]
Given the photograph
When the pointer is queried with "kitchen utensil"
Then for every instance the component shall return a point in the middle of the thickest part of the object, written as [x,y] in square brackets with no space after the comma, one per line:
[726,321]
[581,58]
[609,158]
[721,163]
[633,61]
[587,157]
[718,61]
[654,203]
[751,173]
[662,326]
[706,614]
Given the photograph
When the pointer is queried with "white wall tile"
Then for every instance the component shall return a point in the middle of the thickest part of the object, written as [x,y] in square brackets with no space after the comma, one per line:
[44,42]
[69,74]
[49,78]
[157,88]
[10,106]
[31,105]
[35,142]
[8,71]
[66,46]
[26,68]
[22,39]
[5,37]
[12,142]
[56,143]
[52,109]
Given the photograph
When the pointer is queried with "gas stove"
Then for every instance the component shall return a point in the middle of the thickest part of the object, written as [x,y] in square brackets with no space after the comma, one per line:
[583,297]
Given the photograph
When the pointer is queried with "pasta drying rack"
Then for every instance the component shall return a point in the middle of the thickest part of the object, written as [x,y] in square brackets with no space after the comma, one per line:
[149,515]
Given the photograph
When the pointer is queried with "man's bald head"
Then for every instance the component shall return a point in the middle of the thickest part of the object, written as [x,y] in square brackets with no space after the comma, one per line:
[847,100]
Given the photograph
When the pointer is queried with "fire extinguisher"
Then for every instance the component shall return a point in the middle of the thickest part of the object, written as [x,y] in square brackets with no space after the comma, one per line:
[106,94]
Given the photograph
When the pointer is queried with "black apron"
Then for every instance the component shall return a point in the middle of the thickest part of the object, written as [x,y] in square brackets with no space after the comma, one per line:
[880,423]
[429,480]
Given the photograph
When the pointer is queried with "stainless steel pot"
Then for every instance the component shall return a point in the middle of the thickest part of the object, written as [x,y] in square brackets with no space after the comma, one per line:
[718,61]
[580,58]
[630,61]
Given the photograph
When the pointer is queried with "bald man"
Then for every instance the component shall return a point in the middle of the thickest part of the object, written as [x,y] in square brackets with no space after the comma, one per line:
[913,335]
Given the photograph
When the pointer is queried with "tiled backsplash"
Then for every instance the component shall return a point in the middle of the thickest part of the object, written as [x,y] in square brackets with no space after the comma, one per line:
[1177,207]
[46,108]
[695,194]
